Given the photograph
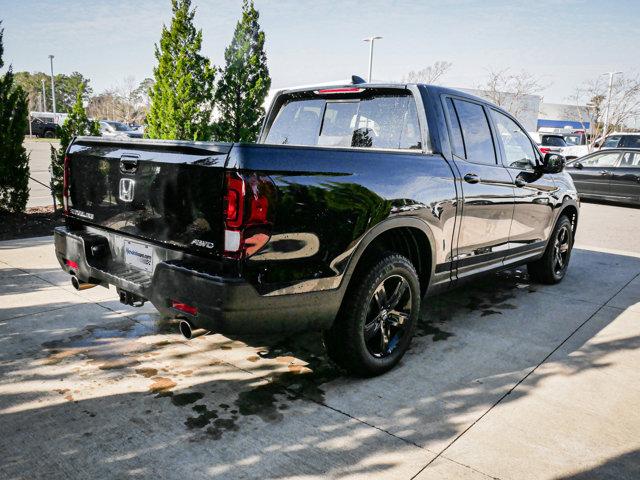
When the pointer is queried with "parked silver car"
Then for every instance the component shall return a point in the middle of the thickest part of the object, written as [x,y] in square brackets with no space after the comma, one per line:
[118,130]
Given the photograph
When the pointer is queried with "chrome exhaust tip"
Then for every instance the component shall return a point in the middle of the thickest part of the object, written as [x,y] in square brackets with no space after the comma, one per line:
[78,285]
[188,332]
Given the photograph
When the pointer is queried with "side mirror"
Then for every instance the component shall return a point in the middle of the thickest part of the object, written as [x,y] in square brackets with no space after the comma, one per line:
[552,163]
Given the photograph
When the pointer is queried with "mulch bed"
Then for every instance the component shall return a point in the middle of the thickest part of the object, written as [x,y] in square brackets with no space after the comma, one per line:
[35,222]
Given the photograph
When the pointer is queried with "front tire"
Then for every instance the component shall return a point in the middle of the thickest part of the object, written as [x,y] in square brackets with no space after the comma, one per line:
[552,267]
[377,319]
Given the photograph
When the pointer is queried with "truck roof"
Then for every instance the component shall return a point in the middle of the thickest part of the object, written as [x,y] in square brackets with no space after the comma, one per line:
[434,88]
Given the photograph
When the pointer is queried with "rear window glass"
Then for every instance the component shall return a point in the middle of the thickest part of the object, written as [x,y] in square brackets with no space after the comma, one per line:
[386,121]
[631,141]
[553,141]
[611,142]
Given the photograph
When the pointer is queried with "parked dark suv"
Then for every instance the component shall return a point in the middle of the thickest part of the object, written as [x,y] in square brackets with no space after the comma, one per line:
[356,202]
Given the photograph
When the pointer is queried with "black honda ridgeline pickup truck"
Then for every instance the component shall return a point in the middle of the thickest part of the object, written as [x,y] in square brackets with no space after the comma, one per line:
[356,202]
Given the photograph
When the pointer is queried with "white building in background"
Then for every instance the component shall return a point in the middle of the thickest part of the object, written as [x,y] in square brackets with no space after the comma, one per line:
[564,116]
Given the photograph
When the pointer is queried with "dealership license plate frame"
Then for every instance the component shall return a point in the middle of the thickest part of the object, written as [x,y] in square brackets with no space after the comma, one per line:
[139,255]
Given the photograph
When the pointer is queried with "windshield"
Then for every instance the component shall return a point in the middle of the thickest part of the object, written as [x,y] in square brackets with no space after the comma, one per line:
[384,121]
[120,127]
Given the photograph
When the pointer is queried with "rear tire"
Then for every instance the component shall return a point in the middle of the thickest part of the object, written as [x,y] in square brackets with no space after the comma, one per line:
[377,318]
[552,267]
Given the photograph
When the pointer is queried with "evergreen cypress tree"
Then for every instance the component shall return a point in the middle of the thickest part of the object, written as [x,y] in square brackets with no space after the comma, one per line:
[75,125]
[245,81]
[14,161]
[182,96]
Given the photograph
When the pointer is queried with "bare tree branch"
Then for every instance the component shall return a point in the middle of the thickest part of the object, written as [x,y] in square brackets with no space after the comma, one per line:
[624,105]
[508,90]
[428,75]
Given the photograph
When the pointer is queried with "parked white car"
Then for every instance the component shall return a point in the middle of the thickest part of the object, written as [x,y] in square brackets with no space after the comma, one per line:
[549,142]
[613,140]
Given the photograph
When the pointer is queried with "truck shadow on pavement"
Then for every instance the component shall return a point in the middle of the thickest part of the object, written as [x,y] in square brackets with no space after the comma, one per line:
[121,395]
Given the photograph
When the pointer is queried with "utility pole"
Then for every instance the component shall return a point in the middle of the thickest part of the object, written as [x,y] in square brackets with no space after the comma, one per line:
[44,97]
[370,40]
[53,86]
[606,115]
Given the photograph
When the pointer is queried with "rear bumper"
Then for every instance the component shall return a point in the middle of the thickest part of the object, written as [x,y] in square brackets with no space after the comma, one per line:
[224,304]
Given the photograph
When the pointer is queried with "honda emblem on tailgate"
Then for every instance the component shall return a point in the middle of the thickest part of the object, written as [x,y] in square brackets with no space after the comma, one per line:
[126,189]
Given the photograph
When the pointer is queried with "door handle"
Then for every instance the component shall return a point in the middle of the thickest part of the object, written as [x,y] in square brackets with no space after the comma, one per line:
[129,163]
[519,182]
[471,178]
[604,172]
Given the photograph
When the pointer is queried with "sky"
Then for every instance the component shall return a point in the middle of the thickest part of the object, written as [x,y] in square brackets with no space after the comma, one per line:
[563,42]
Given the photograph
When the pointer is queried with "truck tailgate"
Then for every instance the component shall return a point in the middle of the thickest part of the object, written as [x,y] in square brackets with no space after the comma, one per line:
[160,191]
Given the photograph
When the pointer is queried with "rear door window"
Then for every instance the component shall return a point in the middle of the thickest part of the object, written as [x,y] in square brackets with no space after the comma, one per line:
[457,144]
[476,133]
[630,160]
[385,121]
[602,160]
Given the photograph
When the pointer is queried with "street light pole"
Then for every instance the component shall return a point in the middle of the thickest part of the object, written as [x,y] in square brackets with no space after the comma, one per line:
[606,116]
[53,86]
[370,40]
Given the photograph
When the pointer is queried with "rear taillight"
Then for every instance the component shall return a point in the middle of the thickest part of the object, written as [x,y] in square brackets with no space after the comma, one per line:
[247,213]
[544,150]
[65,186]
[234,200]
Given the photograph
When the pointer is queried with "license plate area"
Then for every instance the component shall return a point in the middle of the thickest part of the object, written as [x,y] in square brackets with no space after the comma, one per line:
[139,255]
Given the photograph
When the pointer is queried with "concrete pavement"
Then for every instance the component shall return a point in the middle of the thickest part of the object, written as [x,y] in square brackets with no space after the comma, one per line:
[39,161]
[506,379]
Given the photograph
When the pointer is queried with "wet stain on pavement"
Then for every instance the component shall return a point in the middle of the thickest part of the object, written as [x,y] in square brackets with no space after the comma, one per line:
[161,384]
[428,328]
[147,372]
[488,296]
[118,364]
[182,399]
[203,419]
[221,425]
[301,381]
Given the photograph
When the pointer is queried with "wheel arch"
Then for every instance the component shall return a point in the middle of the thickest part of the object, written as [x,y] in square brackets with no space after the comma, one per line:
[570,208]
[408,236]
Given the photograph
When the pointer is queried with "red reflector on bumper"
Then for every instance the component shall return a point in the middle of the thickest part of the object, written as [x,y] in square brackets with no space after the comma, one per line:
[183,307]
[71,264]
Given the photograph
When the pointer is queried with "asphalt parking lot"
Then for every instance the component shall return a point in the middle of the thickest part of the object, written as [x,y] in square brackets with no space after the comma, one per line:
[505,379]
